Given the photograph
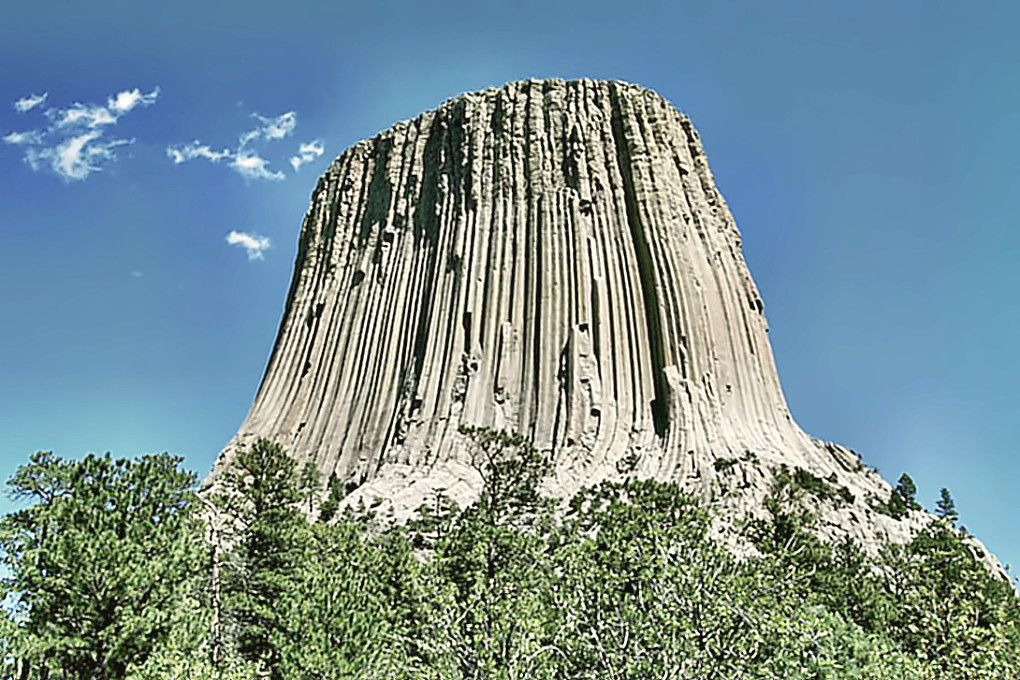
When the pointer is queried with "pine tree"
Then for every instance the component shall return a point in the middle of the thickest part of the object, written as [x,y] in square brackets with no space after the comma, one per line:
[907,491]
[261,494]
[945,508]
[308,483]
[329,507]
[100,564]
[489,552]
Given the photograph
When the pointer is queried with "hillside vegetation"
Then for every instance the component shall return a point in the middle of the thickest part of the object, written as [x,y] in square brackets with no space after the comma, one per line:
[116,572]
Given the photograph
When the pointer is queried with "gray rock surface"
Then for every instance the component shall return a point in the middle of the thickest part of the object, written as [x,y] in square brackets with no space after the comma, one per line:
[552,258]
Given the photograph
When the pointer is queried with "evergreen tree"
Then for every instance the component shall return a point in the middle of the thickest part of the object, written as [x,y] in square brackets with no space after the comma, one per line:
[260,493]
[945,508]
[353,608]
[101,563]
[308,483]
[488,556]
[907,491]
[327,511]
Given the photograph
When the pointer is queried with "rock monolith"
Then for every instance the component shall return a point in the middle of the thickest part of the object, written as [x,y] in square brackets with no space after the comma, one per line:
[551,258]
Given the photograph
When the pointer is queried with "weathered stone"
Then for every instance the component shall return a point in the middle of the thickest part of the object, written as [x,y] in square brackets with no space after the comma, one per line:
[549,257]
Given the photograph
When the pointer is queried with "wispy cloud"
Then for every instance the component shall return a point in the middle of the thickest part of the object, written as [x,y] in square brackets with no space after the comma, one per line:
[129,99]
[29,137]
[244,160]
[253,166]
[196,150]
[72,143]
[253,244]
[80,115]
[306,154]
[30,102]
[277,128]
[77,157]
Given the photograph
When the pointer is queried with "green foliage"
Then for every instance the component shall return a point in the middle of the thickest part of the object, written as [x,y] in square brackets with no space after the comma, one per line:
[721,464]
[784,536]
[260,495]
[624,581]
[329,507]
[907,491]
[895,507]
[308,484]
[511,471]
[801,480]
[353,608]
[186,652]
[100,562]
[901,499]
[181,665]
[810,482]
[640,589]
[949,610]
[945,508]
[488,560]
[322,600]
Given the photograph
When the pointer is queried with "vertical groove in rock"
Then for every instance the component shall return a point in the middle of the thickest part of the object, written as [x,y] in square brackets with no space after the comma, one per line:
[550,257]
[647,277]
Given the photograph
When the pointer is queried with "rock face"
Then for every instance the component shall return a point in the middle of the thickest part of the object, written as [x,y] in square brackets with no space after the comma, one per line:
[548,257]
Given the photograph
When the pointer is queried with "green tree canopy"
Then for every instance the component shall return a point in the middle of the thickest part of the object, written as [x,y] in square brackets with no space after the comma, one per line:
[99,560]
[945,507]
[260,494]
[907,491]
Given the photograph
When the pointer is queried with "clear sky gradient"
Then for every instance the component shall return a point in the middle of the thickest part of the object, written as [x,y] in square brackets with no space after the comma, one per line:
[149,206]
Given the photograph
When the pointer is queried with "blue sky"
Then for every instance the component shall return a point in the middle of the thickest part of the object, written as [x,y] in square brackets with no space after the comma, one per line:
[866,149]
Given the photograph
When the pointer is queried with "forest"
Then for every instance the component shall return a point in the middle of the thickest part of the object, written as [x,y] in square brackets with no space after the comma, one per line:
[123,569]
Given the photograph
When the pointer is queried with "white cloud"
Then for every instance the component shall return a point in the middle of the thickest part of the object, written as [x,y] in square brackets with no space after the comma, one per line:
[81,115]
[279,127]
[253,244]
[72,143]
[195,150]
[129,99]
[29,137]
[94,115]
[253,166]
[36,158]
[243,160]
[248,137]
[30,102]
[271,128]
[307,153]
[72,159]
[78,157]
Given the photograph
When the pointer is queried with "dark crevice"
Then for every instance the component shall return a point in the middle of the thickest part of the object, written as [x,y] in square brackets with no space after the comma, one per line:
[492,151]
[380,189]
[426,219]
[532,268]
[426,228]
[660,416]
[537,345]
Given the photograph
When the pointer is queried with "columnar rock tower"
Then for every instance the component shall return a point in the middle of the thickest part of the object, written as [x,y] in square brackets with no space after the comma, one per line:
[548,257]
